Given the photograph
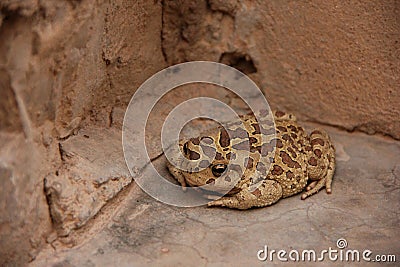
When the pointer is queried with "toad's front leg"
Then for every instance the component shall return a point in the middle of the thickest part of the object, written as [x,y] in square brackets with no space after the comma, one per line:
[267,193]
[177,174]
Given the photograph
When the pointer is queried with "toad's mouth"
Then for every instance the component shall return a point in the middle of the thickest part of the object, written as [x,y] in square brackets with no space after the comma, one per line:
[215,190]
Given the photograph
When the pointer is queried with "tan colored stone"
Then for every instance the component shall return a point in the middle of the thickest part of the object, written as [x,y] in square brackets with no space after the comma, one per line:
[63,66]
[333,63]
[92,172]
[69,67]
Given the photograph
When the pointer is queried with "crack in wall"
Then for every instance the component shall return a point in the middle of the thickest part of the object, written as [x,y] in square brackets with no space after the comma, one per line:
[164,53]
[353,129]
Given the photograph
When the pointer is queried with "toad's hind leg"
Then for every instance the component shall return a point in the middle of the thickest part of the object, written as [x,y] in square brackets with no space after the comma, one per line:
[264,194]
[321,163]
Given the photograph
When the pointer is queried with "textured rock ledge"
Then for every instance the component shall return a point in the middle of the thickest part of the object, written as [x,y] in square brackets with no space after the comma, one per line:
[363,209]
[93,172]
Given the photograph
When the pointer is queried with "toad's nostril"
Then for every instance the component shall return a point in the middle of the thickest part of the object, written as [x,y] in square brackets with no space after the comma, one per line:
[210,181]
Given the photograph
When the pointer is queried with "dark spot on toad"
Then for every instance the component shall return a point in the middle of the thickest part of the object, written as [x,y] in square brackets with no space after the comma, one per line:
[266,148]
[292,128]
[224,138]
[248,163]
[268,131]
[257,192]
[289,175]
[300,142]
[253,140]
[261,168]
[317,141]
[316,132]
[204,164]
[291,151]
[234,190]
[279,143]
[193,155]
[286,137]
[312,161]
[318,153]
[210,181]
[207,140]
[288,160]
[231,155]
[256,128]
[242,146]
[238,133]
[235,167]
[267,123]
[281,128]
[195,141]
[208,151]
[218,156]
[277,170]
[255,148]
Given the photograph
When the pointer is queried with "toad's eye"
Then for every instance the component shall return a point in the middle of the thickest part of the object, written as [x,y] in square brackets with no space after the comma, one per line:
[218,169]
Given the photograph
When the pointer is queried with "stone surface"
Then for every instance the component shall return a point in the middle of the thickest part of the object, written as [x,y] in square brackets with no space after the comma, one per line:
[363,209]
[24,217]
[63,65]
[92,172]
[71,66]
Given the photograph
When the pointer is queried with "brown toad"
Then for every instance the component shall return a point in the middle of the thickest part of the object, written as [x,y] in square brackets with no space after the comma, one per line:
[273,168]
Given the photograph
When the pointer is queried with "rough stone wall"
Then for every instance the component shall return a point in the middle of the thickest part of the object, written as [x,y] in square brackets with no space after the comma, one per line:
[72,66]
[331,62]
[63,65]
